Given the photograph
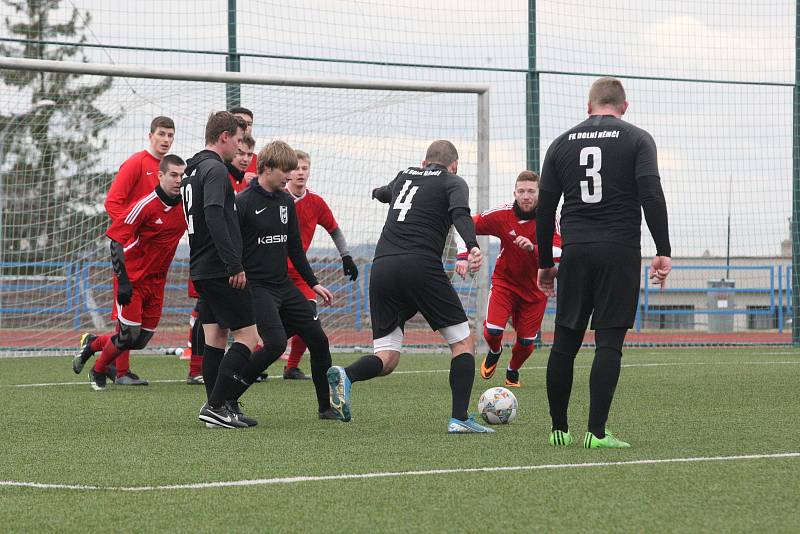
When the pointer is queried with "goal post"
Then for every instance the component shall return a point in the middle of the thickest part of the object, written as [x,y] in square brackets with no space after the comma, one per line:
[51,291]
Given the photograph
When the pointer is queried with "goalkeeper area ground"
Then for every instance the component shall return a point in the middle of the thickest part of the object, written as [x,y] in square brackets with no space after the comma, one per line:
[714,439]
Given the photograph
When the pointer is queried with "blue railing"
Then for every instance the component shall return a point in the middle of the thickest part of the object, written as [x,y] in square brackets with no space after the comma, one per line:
[775,274]
[353,297]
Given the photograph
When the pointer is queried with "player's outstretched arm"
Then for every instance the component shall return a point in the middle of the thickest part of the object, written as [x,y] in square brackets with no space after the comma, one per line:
[124,286]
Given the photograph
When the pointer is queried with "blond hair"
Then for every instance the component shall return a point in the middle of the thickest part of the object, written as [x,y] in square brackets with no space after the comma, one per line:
[277,155]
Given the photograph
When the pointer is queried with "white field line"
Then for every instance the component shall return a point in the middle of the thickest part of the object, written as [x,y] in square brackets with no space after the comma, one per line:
[428,371]
[387,474]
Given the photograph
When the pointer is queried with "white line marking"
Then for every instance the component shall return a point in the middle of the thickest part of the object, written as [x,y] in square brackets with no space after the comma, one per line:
[386,474]
[428,371]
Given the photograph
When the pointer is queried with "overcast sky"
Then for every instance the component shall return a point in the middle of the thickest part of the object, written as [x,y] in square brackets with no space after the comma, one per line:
[715,140]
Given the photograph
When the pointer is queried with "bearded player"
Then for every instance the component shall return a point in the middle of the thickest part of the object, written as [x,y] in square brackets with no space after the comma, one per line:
[514,293]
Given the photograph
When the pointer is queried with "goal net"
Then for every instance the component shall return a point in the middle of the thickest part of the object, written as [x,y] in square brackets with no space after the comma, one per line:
[56,274]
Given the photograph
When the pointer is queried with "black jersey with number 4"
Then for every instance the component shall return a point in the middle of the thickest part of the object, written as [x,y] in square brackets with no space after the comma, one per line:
[206,185]
[421,202]
[597,165]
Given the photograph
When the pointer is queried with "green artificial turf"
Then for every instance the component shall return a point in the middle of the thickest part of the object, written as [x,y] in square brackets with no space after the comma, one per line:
[670,404]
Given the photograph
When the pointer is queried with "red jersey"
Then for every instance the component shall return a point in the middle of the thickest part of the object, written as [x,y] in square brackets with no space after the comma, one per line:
[253,167]
[516,269]
[312,210]
[150,230]
[238,187]
[137,177]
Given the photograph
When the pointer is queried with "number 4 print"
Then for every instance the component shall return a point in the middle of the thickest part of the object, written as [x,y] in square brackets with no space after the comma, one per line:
[403,202]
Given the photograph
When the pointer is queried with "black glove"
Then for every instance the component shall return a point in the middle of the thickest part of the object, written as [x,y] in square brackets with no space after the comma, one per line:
[349,267]
[124,293]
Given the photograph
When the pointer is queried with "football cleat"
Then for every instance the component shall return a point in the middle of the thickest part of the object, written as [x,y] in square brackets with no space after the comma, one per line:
[339,389]
[559,438]
[590,441]
[293,373]
[97,380]
[195,380]
[83,355]
[130,379]
[489,364]
[220,417]
[470,426]
[262,377]
[328,414]
[236,408]
[512,379]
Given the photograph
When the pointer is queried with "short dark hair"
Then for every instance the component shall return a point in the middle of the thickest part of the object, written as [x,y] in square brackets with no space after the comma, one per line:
[302,154]
[607,91]
[528,176]
[248,141]
[222,121]
[239,110]
[441,152]
[161,122]
[170,159]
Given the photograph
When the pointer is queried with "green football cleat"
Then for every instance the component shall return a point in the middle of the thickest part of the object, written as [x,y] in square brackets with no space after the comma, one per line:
[609,442]
[559,438]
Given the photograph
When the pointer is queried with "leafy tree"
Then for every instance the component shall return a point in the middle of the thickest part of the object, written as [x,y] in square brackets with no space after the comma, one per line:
[51,192]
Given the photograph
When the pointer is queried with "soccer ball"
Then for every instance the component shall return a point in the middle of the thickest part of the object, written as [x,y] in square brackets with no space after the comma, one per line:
[497,406]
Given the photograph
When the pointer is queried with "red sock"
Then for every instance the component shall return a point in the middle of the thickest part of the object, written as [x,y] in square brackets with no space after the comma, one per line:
[123,363]
[520,353]
[99,342]
[196,365]
[494,342]
[109,354]
[296,353]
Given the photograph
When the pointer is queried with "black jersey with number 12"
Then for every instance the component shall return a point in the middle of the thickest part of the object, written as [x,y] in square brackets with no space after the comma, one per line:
[419,217]
[597,165]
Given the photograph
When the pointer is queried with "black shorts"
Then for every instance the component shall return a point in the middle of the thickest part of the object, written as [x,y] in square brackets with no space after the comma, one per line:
[400,286]
[224,305]
[600,280]
[282,307]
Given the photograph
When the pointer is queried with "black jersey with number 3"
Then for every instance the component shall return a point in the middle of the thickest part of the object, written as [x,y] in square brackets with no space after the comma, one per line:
[597,165]
[419,218]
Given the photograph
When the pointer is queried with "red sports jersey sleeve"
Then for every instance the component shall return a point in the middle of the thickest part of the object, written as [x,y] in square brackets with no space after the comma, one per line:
[490,222]
[325,216]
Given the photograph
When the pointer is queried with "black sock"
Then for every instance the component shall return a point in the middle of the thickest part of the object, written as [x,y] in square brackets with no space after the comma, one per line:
[212,357]
[261,359]
[566,343]
[227,380]
[462,374]
[559,387]
[604,377]
[364,368]
[320,351]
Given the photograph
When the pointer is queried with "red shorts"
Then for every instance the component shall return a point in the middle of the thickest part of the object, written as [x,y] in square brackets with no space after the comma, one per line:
[525,315]
[145,306]
[302,285]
